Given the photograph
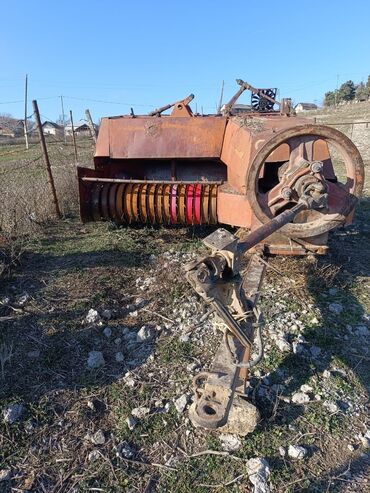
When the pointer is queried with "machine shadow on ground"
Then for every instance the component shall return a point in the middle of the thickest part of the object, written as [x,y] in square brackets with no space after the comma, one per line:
[350,258]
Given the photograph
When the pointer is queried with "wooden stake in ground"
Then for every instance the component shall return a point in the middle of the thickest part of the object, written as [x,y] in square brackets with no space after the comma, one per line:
[73,135]
[63,119]
[46,159]
[91,125]
[25,111]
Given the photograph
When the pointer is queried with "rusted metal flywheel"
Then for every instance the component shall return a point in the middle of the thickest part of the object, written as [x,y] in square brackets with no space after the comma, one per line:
[155,203]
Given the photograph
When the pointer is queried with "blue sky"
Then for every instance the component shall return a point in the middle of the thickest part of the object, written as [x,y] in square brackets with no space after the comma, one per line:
[146,53]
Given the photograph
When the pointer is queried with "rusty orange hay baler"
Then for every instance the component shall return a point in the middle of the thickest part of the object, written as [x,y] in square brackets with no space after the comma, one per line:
[285,179]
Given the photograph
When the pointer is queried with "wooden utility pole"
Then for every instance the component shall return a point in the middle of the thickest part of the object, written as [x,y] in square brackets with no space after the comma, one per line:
[25,111]
[63,119]
[46,158]
[73,135]
[91,125]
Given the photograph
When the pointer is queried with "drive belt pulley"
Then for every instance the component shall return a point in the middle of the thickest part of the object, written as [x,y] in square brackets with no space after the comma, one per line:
[154,203]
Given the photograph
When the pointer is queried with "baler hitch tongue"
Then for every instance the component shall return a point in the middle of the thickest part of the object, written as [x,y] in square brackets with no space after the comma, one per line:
[216,278]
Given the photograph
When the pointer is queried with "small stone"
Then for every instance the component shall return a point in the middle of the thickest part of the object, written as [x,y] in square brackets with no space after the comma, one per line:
[139,302]
[173,461]
[13,413]
[192,366]
[98,438]
[258,471]
[119,357]
[95,359]
[107,332]
[362,331]
[350,447]
[22,300]
[130,382]
[5,474]
[93,455]
[181,403]
[306,388]
[283,345]
[107,314]
[335,308]
[365,439]
[134,314]
[300,398]
[230,442]
[145,334]
[315,351]
[326,374]
[184,338]
[297,452]
[33,354]
[140,412]
[125,450]
[282,452]
[92,316]
[298,347]
[131,422]
[331,406]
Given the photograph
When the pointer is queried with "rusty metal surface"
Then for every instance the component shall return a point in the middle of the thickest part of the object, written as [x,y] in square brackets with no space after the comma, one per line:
[162,137]
[215,391]
[182,149]
[337,209]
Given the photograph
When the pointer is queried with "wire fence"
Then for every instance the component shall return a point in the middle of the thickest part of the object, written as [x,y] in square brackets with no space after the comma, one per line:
[26,197]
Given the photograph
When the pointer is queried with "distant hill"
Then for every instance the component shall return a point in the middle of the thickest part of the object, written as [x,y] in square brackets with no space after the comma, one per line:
[352,119]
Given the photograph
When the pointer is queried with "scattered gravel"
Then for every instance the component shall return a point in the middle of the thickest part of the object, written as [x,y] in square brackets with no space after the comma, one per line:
[5,474]
[258,472]
[98,438]
[145,334]
[300,398]
[335,308]
[365,439]
[140,412]
[119,357]
[13,413]
[362,331]
[230,442]
[297,452]
[125,450]
[283,345]
[92,317]
[93,455]
[95,359]
[107,314]
[107,332]
[181,403]
[331,406]
[131,422]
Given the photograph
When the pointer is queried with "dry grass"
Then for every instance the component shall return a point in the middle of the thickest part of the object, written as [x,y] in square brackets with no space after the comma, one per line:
[24,188]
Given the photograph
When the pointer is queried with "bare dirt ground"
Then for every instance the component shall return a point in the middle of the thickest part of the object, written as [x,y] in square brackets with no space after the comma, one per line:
[72,423]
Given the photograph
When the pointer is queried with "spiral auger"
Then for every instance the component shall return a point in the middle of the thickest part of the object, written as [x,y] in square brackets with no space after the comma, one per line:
[155,203]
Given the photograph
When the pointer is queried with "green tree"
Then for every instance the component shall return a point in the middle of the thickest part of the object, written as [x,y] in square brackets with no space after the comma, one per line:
[362,92]
[368,82]
[347,91]
[329,99]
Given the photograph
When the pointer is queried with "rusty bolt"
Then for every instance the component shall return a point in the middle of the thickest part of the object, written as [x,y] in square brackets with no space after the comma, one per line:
[286,193]
[317,166]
